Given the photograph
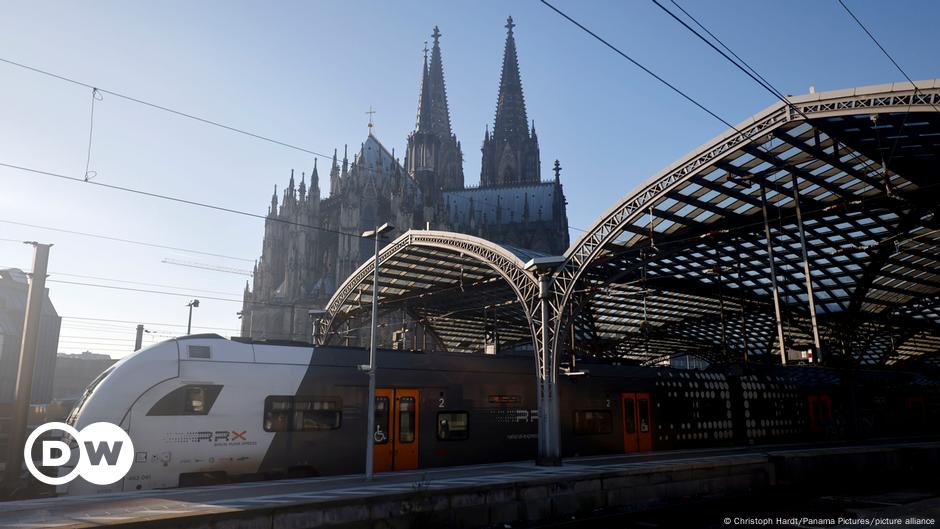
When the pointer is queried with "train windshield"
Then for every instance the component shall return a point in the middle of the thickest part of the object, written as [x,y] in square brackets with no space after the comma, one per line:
[73,416]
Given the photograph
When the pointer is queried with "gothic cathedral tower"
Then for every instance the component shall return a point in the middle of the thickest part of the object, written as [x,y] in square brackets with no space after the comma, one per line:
[433,158]
[511,152]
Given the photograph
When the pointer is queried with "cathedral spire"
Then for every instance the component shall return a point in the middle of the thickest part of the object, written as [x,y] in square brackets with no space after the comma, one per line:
[433,157]
[511,117]
[334,177]
[433,113]
[315,178]
[511,150]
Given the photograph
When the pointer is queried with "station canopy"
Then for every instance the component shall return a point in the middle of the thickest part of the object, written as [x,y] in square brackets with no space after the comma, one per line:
[440,290]
[680,266]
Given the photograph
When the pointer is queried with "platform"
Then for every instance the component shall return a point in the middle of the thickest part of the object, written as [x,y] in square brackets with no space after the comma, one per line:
[473,496]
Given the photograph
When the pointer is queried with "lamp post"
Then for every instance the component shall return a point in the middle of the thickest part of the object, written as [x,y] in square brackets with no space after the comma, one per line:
[189,324]
[370,367]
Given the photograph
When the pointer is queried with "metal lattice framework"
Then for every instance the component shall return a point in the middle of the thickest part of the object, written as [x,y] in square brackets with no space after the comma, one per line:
[454,285]
[681,265]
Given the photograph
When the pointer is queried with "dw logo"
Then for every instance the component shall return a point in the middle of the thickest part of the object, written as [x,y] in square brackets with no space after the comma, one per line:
[106,453]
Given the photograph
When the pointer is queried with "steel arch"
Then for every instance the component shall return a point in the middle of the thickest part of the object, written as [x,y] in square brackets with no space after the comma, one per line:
[923,96]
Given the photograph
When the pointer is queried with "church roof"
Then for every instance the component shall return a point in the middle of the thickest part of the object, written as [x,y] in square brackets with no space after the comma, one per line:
[501,205]
[374,158]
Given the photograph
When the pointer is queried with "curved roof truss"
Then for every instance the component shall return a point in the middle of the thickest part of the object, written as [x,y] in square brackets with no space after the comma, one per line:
[458,287]
[680,265]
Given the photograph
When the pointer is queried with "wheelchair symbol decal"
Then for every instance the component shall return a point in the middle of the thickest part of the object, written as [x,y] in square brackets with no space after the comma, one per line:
[379,435]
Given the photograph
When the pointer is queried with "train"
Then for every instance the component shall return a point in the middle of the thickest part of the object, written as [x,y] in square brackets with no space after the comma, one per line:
[205,409]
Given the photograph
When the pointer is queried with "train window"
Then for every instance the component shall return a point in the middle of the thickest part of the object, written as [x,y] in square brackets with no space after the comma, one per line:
[302,414]
[195,402]
[380,435]
[406,419]
[316,414]
[192,399]
[593,422]
[453,426]
[277,414]
[629,417]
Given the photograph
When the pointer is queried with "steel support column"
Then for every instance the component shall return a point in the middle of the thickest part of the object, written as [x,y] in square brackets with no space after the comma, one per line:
[809,280]
[549,427]
[773,274]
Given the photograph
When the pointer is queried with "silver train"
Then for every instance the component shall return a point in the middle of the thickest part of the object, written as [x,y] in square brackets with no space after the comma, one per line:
[203,409]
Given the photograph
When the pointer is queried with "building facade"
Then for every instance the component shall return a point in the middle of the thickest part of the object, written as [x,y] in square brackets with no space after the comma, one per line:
[311,241]
[14,287]
[73,373]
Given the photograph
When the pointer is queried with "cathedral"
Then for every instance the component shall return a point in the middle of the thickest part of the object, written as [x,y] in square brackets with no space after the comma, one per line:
[300,268]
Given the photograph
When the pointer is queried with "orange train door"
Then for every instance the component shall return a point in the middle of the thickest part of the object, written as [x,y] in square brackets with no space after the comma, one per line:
[406,429]
[395,439]
[637,426]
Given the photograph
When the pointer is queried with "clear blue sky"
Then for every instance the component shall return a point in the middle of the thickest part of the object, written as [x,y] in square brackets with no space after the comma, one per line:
[306,73]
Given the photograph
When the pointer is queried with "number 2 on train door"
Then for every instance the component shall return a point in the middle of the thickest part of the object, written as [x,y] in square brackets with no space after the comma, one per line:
[637,426]
[395,439]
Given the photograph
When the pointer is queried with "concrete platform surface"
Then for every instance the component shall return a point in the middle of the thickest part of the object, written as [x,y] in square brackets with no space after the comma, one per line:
[312,500]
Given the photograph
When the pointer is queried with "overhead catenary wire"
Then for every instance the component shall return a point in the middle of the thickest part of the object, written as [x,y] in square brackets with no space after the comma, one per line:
[176,199]
[96,96]
[896,65]
[751,72]
[142,283]
[636,63]
[119,239]
[880,47]
[128,289]
[755,76]
[84,318]
[162,292]
[164,108]
[746,68]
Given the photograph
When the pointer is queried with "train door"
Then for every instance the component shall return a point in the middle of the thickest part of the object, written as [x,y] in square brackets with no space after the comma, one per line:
[820,413]
[382,436]
[406,429]
[395,439]
[637,427]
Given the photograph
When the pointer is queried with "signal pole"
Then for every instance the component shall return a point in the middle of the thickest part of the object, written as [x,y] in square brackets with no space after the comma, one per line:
[24,374]
[139,340]
[189,324]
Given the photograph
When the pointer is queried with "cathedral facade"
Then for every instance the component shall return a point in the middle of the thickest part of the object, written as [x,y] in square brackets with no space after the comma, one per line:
[300,267]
